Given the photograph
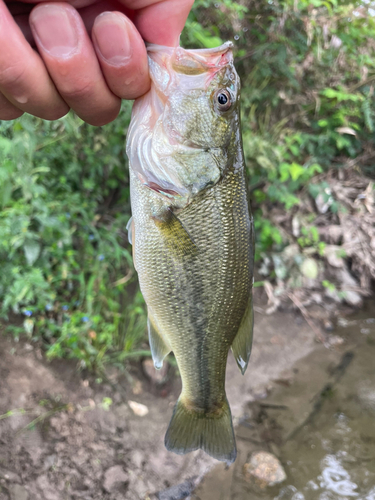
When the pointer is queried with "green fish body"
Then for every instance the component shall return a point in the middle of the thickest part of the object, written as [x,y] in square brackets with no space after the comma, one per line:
[192,235]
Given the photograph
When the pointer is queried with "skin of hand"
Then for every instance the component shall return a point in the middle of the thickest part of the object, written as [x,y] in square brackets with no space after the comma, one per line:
[86,55]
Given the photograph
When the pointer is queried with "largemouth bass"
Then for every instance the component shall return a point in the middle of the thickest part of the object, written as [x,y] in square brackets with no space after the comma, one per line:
[192,234]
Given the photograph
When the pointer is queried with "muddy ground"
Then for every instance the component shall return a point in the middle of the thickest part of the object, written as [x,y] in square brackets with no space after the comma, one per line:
[62,438]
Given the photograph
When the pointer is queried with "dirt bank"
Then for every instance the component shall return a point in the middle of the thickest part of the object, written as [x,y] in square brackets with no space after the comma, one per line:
[64,439]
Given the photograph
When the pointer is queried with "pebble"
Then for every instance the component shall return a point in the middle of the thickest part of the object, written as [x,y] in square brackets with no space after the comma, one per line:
[9,475]
[138,408]
[18,492]
[114,477]
[265,469]
[335,340]
[328,325]
[49,462]
[366,396]
[179,491]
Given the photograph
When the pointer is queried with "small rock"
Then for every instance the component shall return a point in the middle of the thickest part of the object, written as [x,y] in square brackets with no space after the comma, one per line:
[296,226]
[366,396]
[9,476]
[178,492]
[324,201]
[114,477]
[335,340]
[328,325]
[18,492]
[157,377]
[47,488]
[49,462]
[351,297]
[138,408]
[333,254]
[137,388]
[265,469]
[309,268]
[137,458]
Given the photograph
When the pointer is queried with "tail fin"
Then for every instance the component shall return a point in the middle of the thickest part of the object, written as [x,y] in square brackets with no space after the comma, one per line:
[189,430]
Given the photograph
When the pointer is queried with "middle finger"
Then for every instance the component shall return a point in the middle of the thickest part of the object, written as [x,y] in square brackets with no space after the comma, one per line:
[67,52]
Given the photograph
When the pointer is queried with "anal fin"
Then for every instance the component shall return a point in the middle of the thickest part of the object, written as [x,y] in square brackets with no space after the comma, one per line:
[175,234]
[159,346]
[242,343]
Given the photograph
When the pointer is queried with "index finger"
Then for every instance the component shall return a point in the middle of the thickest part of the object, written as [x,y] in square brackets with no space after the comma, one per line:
[160,22]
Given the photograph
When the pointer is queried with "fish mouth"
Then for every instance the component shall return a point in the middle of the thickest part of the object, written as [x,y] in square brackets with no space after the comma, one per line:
[192,62]
[215,51]
[222,49]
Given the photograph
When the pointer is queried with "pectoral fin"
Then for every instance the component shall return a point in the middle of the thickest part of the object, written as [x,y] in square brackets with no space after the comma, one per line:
[241,346]
[159,346]
[131,237]
[130,229]
[176,235]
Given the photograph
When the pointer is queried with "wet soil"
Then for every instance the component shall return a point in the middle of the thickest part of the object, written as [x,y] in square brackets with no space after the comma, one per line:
[65,435]
[319,422]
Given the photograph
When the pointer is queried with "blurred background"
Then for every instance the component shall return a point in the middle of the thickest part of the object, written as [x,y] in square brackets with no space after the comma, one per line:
[67,282]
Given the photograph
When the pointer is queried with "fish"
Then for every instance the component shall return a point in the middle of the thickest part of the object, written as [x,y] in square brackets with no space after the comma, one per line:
[192,234]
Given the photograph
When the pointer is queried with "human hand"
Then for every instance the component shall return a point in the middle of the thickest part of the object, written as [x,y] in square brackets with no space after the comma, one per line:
[89,54]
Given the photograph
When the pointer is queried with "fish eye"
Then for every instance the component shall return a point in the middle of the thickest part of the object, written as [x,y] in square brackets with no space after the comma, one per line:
[223,100]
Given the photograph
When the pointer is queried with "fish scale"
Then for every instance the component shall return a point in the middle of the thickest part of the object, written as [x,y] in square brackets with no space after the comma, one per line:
[195,266]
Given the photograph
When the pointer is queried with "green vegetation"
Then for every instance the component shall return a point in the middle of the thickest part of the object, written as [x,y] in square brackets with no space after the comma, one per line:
[65,259]
[308,77]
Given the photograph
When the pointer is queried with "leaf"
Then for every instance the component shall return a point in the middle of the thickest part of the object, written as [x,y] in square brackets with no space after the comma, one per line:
[32,250]
[5,146]
[28,325]
[309,268]
[346,130]
[296,171]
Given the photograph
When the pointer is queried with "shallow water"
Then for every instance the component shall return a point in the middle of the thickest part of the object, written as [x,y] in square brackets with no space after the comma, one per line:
[333,457]
[321,426]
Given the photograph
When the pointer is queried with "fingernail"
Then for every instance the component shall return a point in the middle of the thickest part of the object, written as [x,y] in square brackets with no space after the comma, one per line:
[55,29]
[111,37]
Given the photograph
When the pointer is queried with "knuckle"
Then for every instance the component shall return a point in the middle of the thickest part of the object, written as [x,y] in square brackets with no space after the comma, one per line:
[54,115]
[10,114]
[136,88]
[12,76]
[79,90]
[7,110]
[103,117]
